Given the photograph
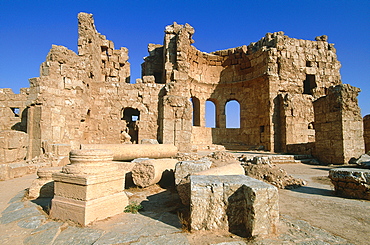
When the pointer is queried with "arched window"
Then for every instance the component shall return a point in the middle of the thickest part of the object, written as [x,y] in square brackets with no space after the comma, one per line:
[196,111]
[232,111]
[210,114]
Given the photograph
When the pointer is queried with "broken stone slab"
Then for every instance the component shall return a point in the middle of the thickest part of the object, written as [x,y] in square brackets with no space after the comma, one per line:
[149,172]
[43,186]
[237,203]
[125,152]
[364,161]
[351,182]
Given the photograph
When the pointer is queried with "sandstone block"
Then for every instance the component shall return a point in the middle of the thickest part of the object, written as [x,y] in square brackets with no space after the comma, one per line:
[237,203]
[351,182]
[230,169]
[184,169]
[43,186]
[88,189]
[149,172]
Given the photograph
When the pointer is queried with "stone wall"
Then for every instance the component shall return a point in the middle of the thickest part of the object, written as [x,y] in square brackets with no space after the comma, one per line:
[367,132]
[338,125]
[13,112]
[82,98]
[87,98]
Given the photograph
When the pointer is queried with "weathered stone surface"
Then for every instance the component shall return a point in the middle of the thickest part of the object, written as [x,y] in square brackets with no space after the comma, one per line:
[19,214]
[261,168]
[338,125]
[184,169]
[229,169]
[351,182]
[364,161]
[83,193]
[238,203]
[77,235]
[43,186]
[130,152]
[149,172]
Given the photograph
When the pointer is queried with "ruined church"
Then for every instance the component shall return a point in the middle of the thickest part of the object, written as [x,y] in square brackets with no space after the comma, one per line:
[289,90]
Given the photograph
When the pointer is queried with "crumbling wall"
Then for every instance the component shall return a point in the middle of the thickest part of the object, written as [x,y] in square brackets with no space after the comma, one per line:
[338,125]
[82,98]
[13,109]
[366,122]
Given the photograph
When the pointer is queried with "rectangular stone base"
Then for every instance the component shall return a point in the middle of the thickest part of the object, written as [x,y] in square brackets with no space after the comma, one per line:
[85,212]
[238,203]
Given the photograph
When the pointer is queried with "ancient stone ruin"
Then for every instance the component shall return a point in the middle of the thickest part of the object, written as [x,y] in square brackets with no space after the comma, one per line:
[290,94]
[82,113]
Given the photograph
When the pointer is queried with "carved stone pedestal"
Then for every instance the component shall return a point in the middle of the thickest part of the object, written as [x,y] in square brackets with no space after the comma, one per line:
[88,189]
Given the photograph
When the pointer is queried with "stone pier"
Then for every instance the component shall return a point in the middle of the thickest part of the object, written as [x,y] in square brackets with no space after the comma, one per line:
[88,189]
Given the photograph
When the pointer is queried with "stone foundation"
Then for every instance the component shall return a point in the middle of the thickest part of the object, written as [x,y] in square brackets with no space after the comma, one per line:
[237,203]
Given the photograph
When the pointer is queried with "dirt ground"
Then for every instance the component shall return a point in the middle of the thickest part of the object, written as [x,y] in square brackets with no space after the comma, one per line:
[317,204]
[314,203]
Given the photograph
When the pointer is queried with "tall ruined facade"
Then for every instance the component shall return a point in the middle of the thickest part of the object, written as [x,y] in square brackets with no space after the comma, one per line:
[87,97]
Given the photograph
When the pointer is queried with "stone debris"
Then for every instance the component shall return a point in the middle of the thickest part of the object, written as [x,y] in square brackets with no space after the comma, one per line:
[222,156]
[260,168]
[351,182]
[238,203]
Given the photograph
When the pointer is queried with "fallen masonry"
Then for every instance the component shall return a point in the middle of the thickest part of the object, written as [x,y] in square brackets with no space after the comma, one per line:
[351,182]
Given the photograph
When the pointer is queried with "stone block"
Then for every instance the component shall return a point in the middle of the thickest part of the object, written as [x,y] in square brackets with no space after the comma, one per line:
[351,182]
[85,212]
[239,203]
[184,169]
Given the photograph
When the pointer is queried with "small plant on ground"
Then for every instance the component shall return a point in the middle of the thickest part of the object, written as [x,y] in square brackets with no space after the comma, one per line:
[133,208]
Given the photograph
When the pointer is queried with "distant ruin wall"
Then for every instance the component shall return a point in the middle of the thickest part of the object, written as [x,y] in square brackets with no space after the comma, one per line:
[367,132]
[13,109]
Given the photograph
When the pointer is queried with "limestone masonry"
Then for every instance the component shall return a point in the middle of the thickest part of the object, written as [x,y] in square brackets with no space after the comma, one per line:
[289,90]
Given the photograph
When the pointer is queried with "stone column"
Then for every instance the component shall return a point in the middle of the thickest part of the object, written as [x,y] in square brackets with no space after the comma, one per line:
[88,189]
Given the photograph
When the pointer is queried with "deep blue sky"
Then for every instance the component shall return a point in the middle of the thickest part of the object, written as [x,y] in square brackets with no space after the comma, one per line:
[29,28]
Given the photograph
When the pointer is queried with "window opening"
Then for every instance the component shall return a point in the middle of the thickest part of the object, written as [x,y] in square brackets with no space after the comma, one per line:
[210,114]
[309,84]
[196,111]
[15,111]
[232,111]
